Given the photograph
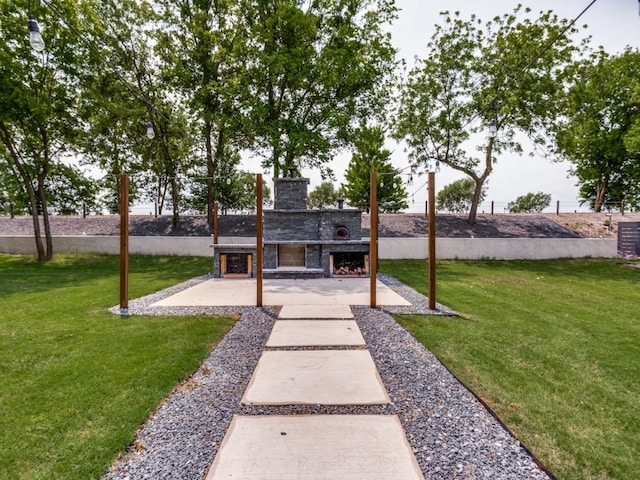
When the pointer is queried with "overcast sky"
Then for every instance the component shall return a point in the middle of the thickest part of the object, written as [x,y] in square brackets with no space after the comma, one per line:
[614,24]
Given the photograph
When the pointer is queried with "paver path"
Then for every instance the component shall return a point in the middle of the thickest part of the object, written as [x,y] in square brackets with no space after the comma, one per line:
[319,447]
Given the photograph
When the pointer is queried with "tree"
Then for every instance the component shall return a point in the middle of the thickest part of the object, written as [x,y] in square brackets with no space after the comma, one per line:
[457,197]
[530,203]
[505,72]
[597,133]
[323,196]
[203,47]
[314,69]
[38,100]
[371,156]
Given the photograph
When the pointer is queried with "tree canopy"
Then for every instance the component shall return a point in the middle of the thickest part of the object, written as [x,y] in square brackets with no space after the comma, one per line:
[323,196]
[598,133]
[507,72]
[457,197]
[530,203]
[371,156]
[314,70]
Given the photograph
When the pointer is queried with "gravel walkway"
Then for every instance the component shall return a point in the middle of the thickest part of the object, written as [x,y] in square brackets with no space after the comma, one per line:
[452,435]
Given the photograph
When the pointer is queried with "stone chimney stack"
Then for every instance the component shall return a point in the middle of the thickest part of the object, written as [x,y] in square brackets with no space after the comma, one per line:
[290,193]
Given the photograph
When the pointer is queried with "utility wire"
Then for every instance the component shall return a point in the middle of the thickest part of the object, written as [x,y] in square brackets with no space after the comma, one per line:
[528,66]
[93,48]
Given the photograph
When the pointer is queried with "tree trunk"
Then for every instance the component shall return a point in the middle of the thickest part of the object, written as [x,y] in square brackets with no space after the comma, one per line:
[45,219]
[28,185]
[175,219]
[601,195]
[211,171]
[477,193]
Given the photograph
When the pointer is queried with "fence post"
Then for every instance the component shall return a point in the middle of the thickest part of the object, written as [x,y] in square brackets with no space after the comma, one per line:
[432,242]
[124,244]
[11,210]
[492,207]
[622,207]
[558,207]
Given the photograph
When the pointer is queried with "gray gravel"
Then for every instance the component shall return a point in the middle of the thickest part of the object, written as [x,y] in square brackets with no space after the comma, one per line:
[452,435]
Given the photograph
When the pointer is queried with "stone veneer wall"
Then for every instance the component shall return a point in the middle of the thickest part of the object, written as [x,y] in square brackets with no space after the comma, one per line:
[290,193]
[310,225]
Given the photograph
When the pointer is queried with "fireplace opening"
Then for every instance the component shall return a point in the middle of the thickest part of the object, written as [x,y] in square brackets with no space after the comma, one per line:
[349,264]
[235,264]
[341,233]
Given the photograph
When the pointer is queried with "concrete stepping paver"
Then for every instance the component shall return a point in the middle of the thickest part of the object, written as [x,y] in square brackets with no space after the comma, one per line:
[307,333]
[309,312]
[318,447]
[327,377]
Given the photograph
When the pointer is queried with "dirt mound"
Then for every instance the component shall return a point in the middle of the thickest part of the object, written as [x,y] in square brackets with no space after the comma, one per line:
[564,225]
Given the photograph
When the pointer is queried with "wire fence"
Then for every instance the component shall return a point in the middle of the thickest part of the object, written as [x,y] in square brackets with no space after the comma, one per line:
[558,207]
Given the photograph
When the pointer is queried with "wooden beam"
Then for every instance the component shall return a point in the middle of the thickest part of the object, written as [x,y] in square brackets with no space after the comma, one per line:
[432,241]
[259,242]
[373,239]
[215,223]
[124,243]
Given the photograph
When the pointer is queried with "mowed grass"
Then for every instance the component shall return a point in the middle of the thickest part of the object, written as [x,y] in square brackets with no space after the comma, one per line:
[554,349]
[76,381]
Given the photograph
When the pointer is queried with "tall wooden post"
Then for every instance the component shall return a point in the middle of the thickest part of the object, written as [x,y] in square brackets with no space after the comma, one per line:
[259,242]
[558,207]
[124,243]
[432,241]
[215,223]
[373,239]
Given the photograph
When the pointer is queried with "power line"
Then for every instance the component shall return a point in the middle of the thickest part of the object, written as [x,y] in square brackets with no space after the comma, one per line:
[528,66]
[97,52]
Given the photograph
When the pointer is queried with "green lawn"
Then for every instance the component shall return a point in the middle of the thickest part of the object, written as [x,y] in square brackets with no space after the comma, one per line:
[552,346]
[76,381]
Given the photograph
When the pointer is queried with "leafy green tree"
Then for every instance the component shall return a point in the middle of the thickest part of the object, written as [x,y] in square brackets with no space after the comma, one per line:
[458,196]
[480,73]
[39,95]
[323,196]
[530,203]
[371,156]
[596,133]
[314,69]
[202,46]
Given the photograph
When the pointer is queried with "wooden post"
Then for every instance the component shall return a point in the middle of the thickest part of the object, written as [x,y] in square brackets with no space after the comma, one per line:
[373,239]
[11,210]
[259,245]
[432,241]
[492,207]
[558,207]
[215,223]
[622,208]
[124,244]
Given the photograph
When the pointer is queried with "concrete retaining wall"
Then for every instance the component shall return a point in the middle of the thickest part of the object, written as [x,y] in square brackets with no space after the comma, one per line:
[499,248]
[389,248]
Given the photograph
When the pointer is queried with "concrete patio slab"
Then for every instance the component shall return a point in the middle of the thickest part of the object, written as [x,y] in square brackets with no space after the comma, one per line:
[306,333]
[318,447]
[326,291]
[309,312]
[325,377]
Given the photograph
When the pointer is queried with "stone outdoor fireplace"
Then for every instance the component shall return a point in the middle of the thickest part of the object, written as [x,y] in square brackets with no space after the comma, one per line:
[302,243]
